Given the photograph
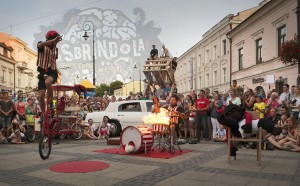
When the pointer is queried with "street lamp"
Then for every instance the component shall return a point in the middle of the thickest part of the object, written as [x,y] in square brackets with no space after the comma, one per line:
[87,26]
[135,67]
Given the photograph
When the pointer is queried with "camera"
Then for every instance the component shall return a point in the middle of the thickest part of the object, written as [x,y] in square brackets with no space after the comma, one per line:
[293,101]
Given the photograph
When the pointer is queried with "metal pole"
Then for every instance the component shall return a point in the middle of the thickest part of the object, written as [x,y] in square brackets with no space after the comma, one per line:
[94,72]
[140,77]
[298,34]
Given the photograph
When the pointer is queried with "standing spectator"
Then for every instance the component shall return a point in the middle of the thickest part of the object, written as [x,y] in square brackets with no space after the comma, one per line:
[30,111]
[209,97]
[272,103]
[284,96]
[192,115]
[259,106]
[248,100]
[20,109]
[6,109]
[233,99]
[202,106]
[216,105]
[238,89]
[89,105]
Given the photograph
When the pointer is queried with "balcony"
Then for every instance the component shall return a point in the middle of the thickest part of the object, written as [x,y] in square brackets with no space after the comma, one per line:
[22,66]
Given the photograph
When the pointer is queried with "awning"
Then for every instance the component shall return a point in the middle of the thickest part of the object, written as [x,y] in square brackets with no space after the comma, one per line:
[87,84]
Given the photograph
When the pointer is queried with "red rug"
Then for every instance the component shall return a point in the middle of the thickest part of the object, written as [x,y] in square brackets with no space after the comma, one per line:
[79,166]
[150,154]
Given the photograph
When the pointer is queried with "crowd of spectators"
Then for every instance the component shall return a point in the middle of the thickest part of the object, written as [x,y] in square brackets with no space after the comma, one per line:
[202,108]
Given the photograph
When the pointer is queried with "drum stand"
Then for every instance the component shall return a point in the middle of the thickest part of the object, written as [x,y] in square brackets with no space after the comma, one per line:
[171,142]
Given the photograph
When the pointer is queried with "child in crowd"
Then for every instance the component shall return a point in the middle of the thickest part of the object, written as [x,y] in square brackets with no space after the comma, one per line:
[103,130]
[220,135]
[283,134]
[88,132]
[16,132]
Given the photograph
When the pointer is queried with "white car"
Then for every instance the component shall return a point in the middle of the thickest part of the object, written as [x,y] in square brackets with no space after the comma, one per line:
[123,114]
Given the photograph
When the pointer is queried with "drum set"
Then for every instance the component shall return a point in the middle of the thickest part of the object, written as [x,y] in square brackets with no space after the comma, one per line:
[141,138]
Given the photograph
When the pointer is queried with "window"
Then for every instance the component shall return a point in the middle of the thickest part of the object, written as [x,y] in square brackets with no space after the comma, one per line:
[3,73]
[281,36]
[258,50]
[224,47]
[241,54]
[200,60]
[10,77]
[200,83]
[215,77]
[8,54]
[215,52]
[130,107]
[224,75]
[1,51]
[207,56]
[207,80]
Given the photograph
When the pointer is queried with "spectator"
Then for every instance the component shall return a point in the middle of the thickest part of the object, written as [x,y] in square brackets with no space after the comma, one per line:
[192,115]
[166,53]
[238,89]
[153,53]
[274,117]
[233,99]
[30,111]
[104,129]
[202,106]
[220,135]
[284,96]
[94,126]
[20,109]
[259,106]
[248,100]
[216,106]
[6,109]
[271,103]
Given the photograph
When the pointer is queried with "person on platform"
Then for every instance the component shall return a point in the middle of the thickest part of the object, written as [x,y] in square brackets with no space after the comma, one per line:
[237,88]
[166,53]
[153,53]
[46,66]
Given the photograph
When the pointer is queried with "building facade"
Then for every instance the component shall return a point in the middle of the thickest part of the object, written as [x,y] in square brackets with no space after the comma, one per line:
[8,66]
[24,74]
[207,64]
[256,43]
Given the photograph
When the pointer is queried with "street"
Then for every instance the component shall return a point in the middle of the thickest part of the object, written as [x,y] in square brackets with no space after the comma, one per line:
[205,165]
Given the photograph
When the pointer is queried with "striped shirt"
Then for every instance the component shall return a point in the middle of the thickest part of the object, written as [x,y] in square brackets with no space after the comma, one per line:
[47,57]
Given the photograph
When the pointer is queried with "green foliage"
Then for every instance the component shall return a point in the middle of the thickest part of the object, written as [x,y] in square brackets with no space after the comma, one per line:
[109,88]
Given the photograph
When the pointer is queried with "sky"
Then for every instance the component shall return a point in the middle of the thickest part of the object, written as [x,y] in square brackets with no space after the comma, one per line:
[183,22]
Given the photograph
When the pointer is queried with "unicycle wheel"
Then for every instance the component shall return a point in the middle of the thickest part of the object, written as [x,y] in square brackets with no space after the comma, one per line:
[45,146]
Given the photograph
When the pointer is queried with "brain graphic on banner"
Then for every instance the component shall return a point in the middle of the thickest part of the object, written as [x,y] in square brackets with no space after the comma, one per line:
[120,43]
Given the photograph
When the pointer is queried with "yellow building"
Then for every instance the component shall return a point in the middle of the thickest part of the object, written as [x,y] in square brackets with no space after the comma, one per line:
[130,87]
[24,75]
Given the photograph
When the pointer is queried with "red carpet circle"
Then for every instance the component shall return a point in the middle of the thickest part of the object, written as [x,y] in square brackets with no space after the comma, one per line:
[79,166]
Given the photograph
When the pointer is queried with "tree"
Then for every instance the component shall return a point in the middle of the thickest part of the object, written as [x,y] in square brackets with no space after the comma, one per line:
[115,85]
[290,51]
[100,89]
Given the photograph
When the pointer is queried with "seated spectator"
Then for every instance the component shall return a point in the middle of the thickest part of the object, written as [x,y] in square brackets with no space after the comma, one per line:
[286,138]
[220,135]
[233,98]
[153,53]
[271,103]
[274,117]
[2,138]
[17,132]
[103,131]
[88,132]
[94,126]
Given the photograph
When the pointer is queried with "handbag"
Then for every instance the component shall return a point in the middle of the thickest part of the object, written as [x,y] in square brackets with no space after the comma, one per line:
[30,118]
[221,110]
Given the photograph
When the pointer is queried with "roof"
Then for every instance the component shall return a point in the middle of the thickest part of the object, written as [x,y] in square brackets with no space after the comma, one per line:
[87,84]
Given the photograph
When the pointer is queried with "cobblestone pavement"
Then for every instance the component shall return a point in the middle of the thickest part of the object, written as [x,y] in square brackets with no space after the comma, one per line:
[206,164]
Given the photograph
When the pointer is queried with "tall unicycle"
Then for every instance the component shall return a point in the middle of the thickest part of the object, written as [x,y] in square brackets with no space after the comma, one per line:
[45,146]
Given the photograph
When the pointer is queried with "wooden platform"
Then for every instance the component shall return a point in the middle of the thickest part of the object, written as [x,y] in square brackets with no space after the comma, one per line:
[113,141]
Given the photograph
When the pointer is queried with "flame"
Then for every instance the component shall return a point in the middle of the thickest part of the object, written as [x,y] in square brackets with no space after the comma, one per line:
[158,118]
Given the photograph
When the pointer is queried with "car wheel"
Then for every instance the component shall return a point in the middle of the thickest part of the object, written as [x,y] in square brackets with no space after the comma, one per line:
[115,128]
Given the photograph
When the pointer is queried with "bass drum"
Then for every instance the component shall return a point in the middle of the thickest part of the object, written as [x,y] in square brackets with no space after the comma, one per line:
[141,136]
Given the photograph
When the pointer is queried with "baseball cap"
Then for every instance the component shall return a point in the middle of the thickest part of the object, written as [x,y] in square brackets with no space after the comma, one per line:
[259,95]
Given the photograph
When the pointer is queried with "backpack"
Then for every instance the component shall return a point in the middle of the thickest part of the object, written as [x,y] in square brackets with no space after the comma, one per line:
[221,110]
